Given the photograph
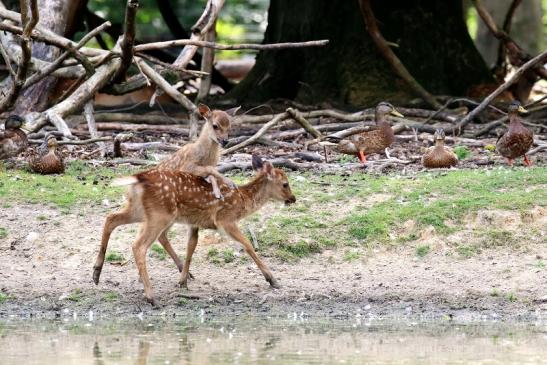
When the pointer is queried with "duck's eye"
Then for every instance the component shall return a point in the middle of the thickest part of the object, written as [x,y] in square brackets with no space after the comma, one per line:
[285,185]
[215,126]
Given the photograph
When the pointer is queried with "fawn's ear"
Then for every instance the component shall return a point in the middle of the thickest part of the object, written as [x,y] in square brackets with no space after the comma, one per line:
[268,169]
[232,112]
[204,110]
[257,162]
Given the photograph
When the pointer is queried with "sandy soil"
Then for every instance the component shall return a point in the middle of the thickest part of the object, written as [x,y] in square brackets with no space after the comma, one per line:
[43,261]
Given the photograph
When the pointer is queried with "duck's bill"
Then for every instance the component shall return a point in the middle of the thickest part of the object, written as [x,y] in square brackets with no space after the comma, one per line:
[522,110]
[397,114]
[25,127]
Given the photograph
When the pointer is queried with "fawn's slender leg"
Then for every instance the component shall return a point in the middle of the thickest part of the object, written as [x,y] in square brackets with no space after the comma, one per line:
[167,246]
[190,248]
[236,234]
[113,220]
[213,181]
[150,230]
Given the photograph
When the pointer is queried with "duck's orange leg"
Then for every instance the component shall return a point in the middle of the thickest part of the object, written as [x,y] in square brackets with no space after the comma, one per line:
[527,162]
[362,157]
[510,161]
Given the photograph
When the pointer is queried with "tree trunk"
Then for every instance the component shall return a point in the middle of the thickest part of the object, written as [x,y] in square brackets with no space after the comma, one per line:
[432,38]
[526,28]
[62,17]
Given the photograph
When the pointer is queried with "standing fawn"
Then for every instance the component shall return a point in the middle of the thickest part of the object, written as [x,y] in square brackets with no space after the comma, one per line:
[170,196]
[198,158]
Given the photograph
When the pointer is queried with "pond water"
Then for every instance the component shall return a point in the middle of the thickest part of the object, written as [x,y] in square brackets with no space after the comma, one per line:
[268,341]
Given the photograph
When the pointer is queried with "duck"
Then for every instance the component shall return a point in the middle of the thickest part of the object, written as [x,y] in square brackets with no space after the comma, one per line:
[518,139]
[48,159]
[375,141]
[13,140]
[439,155]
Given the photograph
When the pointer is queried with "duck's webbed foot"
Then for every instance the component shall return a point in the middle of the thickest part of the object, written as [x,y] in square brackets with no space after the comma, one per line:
[527,161]
[362,157]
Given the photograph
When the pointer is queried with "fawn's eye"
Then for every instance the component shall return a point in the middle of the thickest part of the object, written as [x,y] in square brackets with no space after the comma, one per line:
[286,185]
[215,126]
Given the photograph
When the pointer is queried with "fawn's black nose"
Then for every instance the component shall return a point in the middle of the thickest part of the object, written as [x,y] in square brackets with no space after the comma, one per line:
[223,142]
[291,200]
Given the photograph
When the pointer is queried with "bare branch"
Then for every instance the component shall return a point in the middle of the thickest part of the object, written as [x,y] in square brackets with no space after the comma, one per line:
[228,47]
[58,62]
[164,85]
[390,56]
[279,118]
[542,57]
[128,39]
[92,126]
[207,66]
[26,53]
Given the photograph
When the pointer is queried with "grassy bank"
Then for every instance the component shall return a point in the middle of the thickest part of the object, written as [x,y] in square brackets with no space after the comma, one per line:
[358,211]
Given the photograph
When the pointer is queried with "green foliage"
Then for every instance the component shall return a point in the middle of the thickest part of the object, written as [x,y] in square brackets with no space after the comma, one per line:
[3,232]
[462,152]
[421,251]
[114,256]
[228,255]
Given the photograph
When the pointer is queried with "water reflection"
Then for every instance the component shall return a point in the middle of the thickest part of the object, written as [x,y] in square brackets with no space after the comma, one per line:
[259,341]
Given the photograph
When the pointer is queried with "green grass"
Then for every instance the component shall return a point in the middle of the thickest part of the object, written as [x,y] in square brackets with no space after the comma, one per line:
[3,297]
[3,232]
[114,256]
[422,251]
[81,184]
[218,257]
[462,152]
[111,296]
[540,264]
[350,256]
[332,210]
[158,251]
[76,295]
[511,297]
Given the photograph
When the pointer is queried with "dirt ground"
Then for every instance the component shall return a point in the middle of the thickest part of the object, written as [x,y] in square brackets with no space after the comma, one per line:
[46,268]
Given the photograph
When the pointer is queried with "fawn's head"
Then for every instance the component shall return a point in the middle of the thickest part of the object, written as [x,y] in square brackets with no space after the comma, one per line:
[218,123]
[277,182]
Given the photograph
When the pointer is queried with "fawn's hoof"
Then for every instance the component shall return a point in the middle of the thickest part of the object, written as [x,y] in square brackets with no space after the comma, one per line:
[181,267]
[152,301]
[96,275]
[274,283]
[183,284]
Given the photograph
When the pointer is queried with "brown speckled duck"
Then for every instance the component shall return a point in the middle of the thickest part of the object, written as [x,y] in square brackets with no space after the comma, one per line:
[375,141]
[518,139]
[439,155]
[49,159]
[13,140]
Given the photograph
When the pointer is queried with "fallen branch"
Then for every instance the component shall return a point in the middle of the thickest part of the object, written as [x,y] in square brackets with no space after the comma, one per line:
[229,47]
[279,118]
[141,128]
[150,146]
[297,116]
[85,92]
[389,55]
[92,126]
[207,60]
[75,142]
[153,119]
[165,86]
